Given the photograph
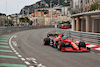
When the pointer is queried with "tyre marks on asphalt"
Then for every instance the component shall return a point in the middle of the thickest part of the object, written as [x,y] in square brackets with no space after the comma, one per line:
[7,56]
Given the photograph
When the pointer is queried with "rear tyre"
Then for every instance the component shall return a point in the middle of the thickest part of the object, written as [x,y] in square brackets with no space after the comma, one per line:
[60,45]
[47,41]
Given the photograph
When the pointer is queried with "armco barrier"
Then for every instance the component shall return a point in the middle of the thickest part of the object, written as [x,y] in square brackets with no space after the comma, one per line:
[21,28]
[88,37]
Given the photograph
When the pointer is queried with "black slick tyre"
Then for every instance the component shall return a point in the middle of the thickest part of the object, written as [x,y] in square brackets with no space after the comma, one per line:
[60,45]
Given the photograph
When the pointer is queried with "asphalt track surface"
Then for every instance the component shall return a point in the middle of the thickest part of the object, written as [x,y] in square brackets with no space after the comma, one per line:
[30,45]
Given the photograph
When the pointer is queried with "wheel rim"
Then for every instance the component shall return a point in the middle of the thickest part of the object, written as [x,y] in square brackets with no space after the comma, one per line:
[51,43]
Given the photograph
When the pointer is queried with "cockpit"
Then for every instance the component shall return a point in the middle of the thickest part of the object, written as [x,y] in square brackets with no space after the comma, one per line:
[64,37]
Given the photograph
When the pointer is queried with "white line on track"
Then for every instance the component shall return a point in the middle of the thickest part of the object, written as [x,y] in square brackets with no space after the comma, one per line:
[19,56]
[15,36]
[34,62]
[31,66]
[28,59]
[16,53]
[40,65]
[27,62]
[10,43]
[14,43]
[22,59]
[14,50]
[33,59]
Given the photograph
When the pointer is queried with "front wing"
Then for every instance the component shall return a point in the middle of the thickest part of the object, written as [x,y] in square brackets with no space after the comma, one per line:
[70,49]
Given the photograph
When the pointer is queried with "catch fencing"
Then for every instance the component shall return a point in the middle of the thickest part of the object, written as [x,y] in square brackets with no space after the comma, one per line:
[88,37]
[6,29]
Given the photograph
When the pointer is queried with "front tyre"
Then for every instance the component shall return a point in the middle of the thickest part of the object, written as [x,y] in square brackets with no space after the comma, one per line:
[60,45]
[82,44]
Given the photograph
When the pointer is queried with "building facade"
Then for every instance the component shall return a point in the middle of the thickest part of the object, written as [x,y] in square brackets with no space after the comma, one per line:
[86,22]
[81,3]
[2,19]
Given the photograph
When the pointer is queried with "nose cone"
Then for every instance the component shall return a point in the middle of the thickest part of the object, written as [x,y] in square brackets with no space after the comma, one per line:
[75,46]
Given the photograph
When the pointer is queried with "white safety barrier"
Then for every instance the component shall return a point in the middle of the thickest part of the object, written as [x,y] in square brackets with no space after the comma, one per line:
[20,28]
[88,37]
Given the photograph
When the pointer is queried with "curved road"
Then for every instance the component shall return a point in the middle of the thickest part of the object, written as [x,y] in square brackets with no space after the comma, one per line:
[30,44]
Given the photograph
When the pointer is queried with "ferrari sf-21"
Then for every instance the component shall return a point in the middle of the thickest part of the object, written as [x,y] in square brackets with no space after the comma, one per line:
[62,43]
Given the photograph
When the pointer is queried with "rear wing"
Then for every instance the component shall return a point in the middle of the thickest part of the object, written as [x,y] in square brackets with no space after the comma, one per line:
[55,35]
[51,35]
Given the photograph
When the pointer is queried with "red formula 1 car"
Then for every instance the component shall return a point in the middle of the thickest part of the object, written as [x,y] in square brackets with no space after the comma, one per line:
[62,43]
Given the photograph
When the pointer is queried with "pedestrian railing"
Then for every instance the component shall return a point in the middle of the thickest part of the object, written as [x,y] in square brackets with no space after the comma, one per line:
[88,37]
